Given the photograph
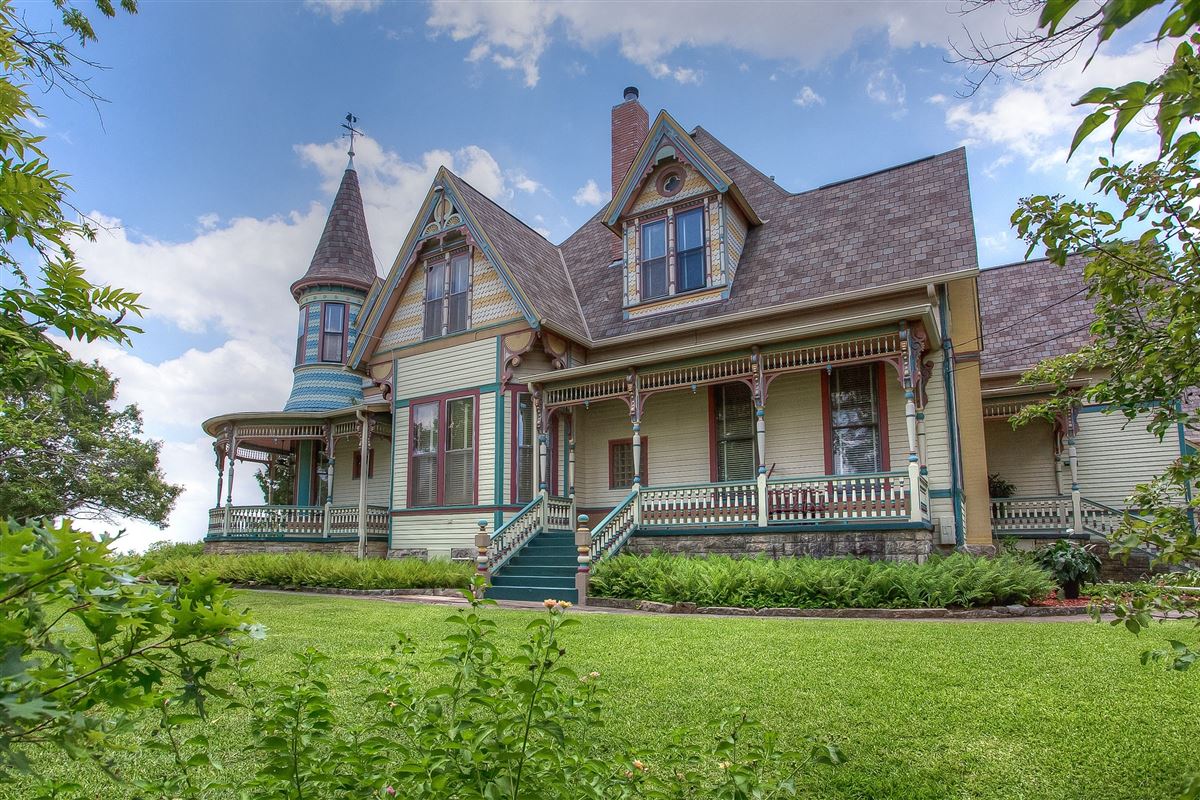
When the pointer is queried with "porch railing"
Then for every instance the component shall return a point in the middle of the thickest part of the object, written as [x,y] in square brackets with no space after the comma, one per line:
[233,522]
[699,504]
[877,496]
[558,513]
[515,534]
[614,529]
[1031,513]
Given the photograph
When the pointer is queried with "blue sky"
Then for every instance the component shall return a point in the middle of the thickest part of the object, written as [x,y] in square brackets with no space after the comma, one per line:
[213,162]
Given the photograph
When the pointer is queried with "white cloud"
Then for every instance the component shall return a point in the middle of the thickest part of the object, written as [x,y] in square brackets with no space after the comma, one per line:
[936,99]
[1001,161]
[807,97]
[885,87]
[515,35]
[590,195]
[1035,120]
[230,281]
[337,10]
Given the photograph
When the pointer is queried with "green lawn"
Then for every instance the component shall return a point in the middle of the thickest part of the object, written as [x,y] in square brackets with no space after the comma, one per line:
[921,709]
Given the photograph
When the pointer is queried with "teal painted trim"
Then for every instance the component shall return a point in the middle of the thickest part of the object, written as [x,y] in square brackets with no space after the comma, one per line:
[267,537]
[416,511]
[1101,408]
[487,388]
[804,527]
[498,478]
[400,350]
[304,467]
[960,536]
[941,493]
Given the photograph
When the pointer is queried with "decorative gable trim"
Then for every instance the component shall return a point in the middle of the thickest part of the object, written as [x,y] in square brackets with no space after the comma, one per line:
[431,224]
[666,132]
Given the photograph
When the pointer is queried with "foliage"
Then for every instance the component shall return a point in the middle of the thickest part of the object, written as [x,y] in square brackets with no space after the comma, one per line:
[74,454]
[1069,562]
[43,289]
[86,647]
[278,486]
[998,487]
[957,580]
[310,569]
[164,550]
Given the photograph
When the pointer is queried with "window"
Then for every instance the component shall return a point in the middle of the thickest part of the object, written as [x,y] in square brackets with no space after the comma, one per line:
[435,291]
[524,443]
[447,288]
[654,259]
[442,454]
[689,250]
[672,183]
[357,470]
[854,420]
[733,424]
[302,335]
[333,331]
[620,464]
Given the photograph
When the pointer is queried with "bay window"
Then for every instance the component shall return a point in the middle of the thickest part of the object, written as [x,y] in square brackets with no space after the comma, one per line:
[442,452]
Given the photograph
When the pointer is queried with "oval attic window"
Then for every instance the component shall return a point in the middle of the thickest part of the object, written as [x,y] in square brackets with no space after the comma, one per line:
[671,183]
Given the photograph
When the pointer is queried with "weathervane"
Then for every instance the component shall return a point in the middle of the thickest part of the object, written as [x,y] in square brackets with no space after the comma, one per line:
[349,124]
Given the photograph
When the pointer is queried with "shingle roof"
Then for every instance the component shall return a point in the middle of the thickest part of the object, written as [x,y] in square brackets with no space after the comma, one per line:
[911,221]
[1032,310]
[343,254]
[534,262]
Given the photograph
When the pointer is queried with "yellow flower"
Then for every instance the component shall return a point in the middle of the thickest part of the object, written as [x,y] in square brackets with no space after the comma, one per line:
[639,765]
[563,604]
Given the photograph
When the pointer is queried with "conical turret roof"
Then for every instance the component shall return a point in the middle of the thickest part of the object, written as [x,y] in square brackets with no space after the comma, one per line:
[343,255]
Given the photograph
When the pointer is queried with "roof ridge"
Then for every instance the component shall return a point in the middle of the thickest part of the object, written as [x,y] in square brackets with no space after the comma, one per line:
[513,216]
[574,293]
[767,179]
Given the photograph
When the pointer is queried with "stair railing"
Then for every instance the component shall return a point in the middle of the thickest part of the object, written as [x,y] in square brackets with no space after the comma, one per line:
[509,538]
[615,529]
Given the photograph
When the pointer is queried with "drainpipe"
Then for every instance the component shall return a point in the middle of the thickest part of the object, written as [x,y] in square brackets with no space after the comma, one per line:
[952,414]
[364,470]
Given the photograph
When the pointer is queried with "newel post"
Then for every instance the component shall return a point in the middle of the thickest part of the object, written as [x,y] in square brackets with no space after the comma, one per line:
[583,545]
[482,543]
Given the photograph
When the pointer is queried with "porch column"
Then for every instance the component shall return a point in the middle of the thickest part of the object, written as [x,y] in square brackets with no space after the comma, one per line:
[1072,454]
[542,476]
[364,471]
[571,460]
[327,520]
[914,460]
[635,418]
[271,480]
[921,451]
[231,454]
[220,472]
[760,431]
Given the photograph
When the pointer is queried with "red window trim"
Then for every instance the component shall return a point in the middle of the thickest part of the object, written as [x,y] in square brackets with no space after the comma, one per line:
[885,445]
[441,400]
[321,331]
[714,470]
[643,472]
[515,391]
[356,465]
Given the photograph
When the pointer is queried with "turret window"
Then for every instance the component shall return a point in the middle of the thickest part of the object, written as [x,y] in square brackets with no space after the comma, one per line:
[302,335]
[447,293]
[333,332]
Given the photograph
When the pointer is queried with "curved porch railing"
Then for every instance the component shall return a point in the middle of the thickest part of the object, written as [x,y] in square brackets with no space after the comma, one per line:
[614,529]
[699,504]
[840,498]
[513,535]
[233,522]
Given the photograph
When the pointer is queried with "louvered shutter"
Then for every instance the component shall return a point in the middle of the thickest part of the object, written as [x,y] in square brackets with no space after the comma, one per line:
[524,448]
[735,433]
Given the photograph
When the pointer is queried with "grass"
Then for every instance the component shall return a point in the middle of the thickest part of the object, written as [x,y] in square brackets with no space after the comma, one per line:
[309,569]
[959,580]
[924,710]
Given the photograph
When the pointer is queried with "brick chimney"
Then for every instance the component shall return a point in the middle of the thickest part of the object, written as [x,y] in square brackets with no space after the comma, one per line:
[630,124]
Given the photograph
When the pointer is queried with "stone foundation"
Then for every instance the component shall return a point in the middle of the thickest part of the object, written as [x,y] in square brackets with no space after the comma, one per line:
[339,548]
[886,545]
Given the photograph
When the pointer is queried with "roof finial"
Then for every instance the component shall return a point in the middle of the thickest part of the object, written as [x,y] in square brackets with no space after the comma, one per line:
[349,124]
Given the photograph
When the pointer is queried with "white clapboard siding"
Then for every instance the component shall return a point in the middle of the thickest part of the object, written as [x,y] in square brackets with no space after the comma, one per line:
[345,487]
[486,442]
[463,366]
[795,426]
[937,432]
[1024,457]
[439,533]
[597,425]
[1116,454]
[676,424]
[400,459]
[897,427]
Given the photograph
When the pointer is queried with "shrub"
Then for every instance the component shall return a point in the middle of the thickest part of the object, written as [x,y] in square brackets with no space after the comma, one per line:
[311,569]
[165,550]
[956,580]
[1071,564]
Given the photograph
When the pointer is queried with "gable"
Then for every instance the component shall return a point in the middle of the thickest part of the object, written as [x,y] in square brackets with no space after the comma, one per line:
[653,194]
[490,303]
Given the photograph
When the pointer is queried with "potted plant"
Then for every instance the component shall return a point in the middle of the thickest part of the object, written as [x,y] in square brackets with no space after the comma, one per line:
[1071,564]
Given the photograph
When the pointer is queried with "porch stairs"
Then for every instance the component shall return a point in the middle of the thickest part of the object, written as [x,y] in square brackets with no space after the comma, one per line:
[543,568]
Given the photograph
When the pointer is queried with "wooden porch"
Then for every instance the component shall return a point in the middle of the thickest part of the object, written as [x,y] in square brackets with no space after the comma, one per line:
[295,522]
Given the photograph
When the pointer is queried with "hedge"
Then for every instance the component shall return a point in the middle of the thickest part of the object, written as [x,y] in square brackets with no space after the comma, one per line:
[309,569]
[958,580]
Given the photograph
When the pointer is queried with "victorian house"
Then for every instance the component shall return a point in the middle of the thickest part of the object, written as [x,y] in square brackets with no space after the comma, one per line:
[712,363]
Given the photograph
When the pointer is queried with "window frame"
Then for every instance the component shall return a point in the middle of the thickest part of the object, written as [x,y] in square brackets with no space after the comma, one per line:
[643,262]
[702,249]
[643,473]
[516,392]
[445,263]
[879,385]
[441,402]
[669,219]
[302,335]
[322,333]
[715,438]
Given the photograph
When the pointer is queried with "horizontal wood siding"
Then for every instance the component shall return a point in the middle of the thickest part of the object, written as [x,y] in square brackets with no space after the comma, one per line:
[795,426]
[345,487]
[439,533]
[486,442]
[1115,455]
[937,432]
[676,425]
[597,425]
[400,459]
[463,366]
[1024,457]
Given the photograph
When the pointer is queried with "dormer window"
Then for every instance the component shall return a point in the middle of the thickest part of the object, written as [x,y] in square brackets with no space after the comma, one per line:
[654,259]
[675,263]
[689,250]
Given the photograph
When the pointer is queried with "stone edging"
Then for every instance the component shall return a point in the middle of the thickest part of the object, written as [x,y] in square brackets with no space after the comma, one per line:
[353,592]
[995,612]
